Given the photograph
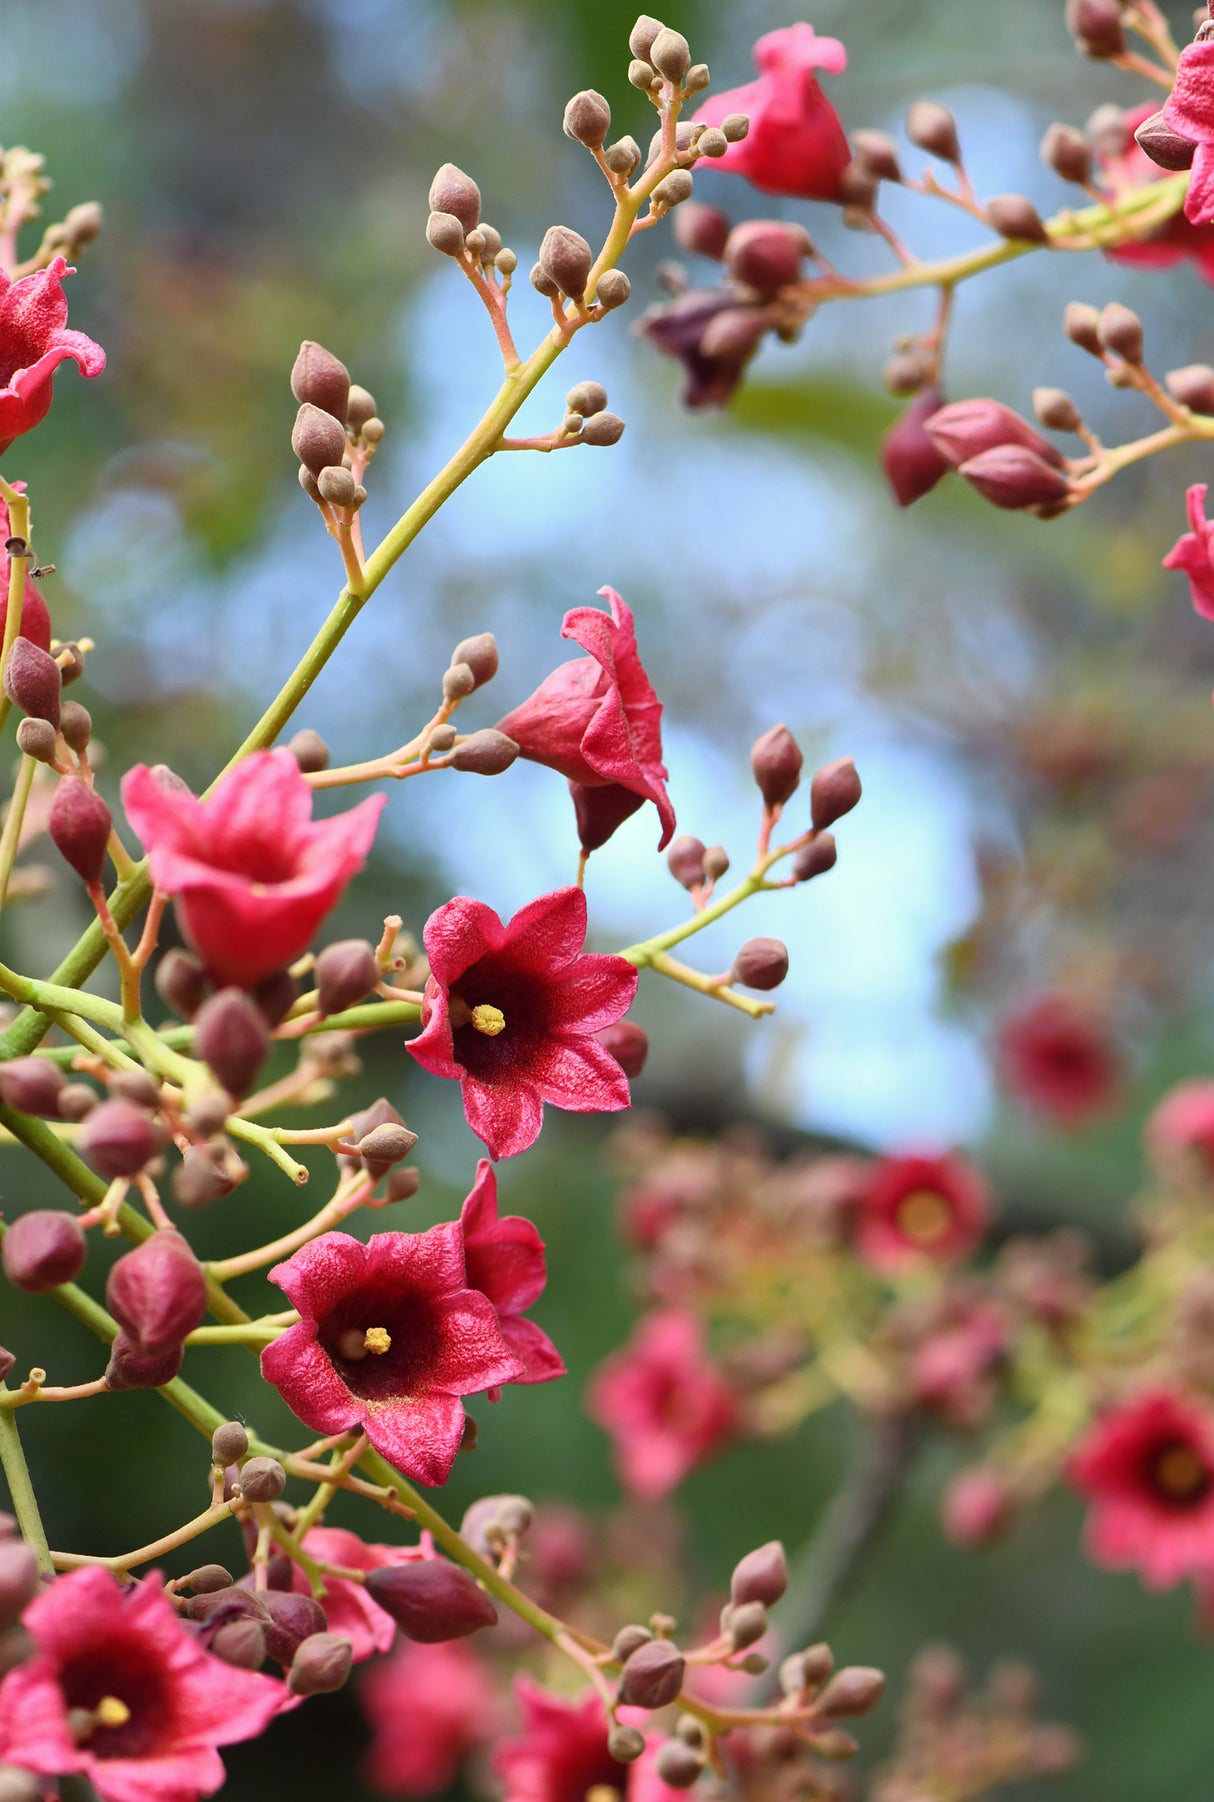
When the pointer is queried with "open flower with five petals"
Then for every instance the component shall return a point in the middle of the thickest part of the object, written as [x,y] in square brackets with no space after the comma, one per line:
[34,339]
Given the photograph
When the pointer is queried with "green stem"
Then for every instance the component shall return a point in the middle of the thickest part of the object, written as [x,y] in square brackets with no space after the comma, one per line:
[10,839]
[18,527]
[25,1503]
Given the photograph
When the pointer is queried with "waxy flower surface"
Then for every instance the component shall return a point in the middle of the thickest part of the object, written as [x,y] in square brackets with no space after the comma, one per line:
[148,1705]
[34,339]
[510,1012]
[252,873]
[1192,552]
[504,1258]
[390,1338]
[1147,1468]
[919,1210]
[795,144]
[666,1406]
[596,719]
[1059,1059]
[1189,110]
[428,1707]
[349,1610]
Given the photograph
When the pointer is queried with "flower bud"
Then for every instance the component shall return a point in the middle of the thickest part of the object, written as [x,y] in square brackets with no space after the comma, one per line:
[670,55]
[674,189]
[458,682]
[452,191]
[652,1675]
[602,429]
[765,254]
[967,428]
[360,407]
[642,35]
[776,760]
[679,1764]
[479,653]
[625,1744]
[181,982]
[321,380]
[1081,324]
[912,463]
[157,1292]
[229,1443]
[317,439]
[222,1605]
[586,398]
[834,791]
[230,1037]
[977,1506]
[321,1665]
[207,1579]
[1121,332]
[1015,478]
[762,1576]
[43,1249]
[1156,139]
[37,739]
[857,188]
[931,127]
[31,1084]
[445,233]
[1068,153]
[627,1044]
[566,259]
[18,1580]
[76,1100]
[79,826]
[614,288]
[697,78]
[760,964]
[1016,218]
[119,1139]
[384,1146]
[485,753]
[70,659]
[835,1744]
[745,1624]
[239,1642]
[432,1600]
[853,1690]
[1096,27]
[588,119]
[1192,386]
[879,154]
[292,1619]
[33,681]
[337,486]
[262,1480]
[1055,409]
[76,725]
[346,972]
[133,1367]
[685,860]
[814,859]
[716,862]
[702,230]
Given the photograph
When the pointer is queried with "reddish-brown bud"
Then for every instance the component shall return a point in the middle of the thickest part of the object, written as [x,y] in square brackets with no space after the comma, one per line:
[33,681]
[317,439]
[1015,478]
[321,380]
[262,1480]
[181,982]
[208,1578]
[966,428]
[602,429]
[834,791]
[716,862]
[878,153]
[157,1292]
[912,463]
[745,1624]
[480,651]
[119,1139]
[384,1146]
[685,860]
[652,1676]
[600,811]
[702,230]
[37,739]
[229,1443]
[587,119]
[432,1600]
[776,761]
[1067,152]
[309,750]
[931,127]
[79,826]
[200,1179]
[625,1744]
[453,192]
[1016,218]
[230,1037]
[43,1249]
[566,259]
[32,1085]
[628,1639]
[1096,27]
[1081,323]
[1121,332]
[18,1580]
[132,1367]
[321,1665]
[1192,386]
[346,972]
[485,753]
[292,1619]
[678,1764]
[1055,409]
[628,1045]
[815,858]
[760,964]
[765,254]
[853,1690]
[76,725]
[762,1576]
[1156,139]
[76,1100]
[240,1642]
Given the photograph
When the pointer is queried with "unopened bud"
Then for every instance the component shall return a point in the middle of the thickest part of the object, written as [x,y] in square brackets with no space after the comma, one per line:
[765,254]
[716,862]
[602,429]
[346,972]
[652,1676]
[293,1618]
[1012,477]
[70,659]
[262,1480]
[679,1764]
[317,439]
[1192,386]
[674,189]
[566,258]
[79,826]
[33,681]
[458,682]
[627,1640]
[479,654]
[241,1643]
[76,725]
[32,1085]
[1156,139]
[133,1367]
[834,791]
[309,750]
[18,1580]
[231,1039]
[815,858]
[485,753]
[853,1690]
[432,1600]
[200,1179]
[543,283]
[702,229]
[384,1146]
[736,126]
[1068,153]
[835,1744]
[745,1624]
[697,78]
[857,188]
[685,861]
[37,739]
[321,379]
[628,1045]
[586,398]
[321,1665]
[1016,218]
[762,1576]
[588,119]
[157,1293]
[712,142]
[623,157]
[42,1249]
[625,1744]
[643,33]
[879,154]
[1096,27]
[181,982]
[360,407]
[452,191]
[670,55]
[613,289]
[1081,324]
[76,1099]
[207,1579]
[337,486]
[967,428]
[445,233]
[1121,332]
[931,127]
[776,760]
[229,1443]
[1055,409]
[641,74]
[119,1139]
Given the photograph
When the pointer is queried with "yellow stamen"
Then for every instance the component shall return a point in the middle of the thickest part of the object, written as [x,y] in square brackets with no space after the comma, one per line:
[378,1340]
[489,1020]
[924,1217]
[111,1711]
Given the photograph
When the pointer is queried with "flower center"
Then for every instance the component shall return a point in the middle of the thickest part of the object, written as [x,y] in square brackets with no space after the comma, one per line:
[602,1792]
[1181,1474]
[357,1341]
[110,1711]
[924,1217]
[489,1020]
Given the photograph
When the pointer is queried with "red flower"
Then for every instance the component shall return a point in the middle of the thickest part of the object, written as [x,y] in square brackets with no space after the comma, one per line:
[159,1704]
[349,1609]
[1058,1059]
[665,1405]
[596,719]
[1148,1468]
[561,1754]
[505,1261]
[1189,111]
[920,1210]
[795,144]
[390,1338]
[952,1365]
[1192,552]
[428,1707]
[1184,1121]
[1175,241]
[252,872]
[510,1012]
[34,340]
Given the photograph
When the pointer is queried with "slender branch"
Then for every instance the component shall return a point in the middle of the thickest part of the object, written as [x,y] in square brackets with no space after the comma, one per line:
[201,1523]
[25,1503]
[10,839]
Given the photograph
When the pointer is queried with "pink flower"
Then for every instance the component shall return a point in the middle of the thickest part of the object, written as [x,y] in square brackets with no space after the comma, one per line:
[561,1754]
[34,340]
[977,1507]
[795,144]
[349,1610]
[428,1707]
[1184,1121]
[1058,1058]
[920,1210]
[390,1338]
[665,1405]
[951,1367]
[253,874]
[1147,1466]
[1192,552]
[597,719]
[505,1261]
[510,1013]
[159,1704]
[1189,111]
[1173,242]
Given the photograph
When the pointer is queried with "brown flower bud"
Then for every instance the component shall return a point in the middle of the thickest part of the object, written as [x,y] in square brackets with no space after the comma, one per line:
[1068,153]
[292,1619]
[230,1037]
[321,1665]
[670,54]
[43,1249]
[239,1642]
[543,283]
[458,682]
[701,229]
[586,398]
[712,142]
[445,233]
[760,964]
[765,254]
[208,1578]
[679,1764]
[1081,324]
[614,288]
[1015,478]
[1156,139]
[602,429]
[762,1576]
[321,379]
[853,1690]
[1016,218]
[642,35]
[566,259]
[776,760]
[652,1676]
[588,119]
[716,862]
[33,681]
[337,486]
[262,1480]
[1121,332]
[18,1580]
[479,654]
[674,188]
[1096,27]
[1192,386]
[745,1624]
[628,1045]
[76,1100]
[38,739]
[70,659]
[879,154]
[157,1293]
[485,753]
[452,191]
[346,972]
[835,1744]
[625,1744]
[432,1600]
[79,826]
[76,725]
[402,1185]
[360,407]
[226,1605]
[229,1443]
[814,859]
[31,1084]
[931,127]
[384,1146]
[317,439]
[627,1640]
[834,791]
[119,1139]
[133,1367]
[857,189]
[1055,409]
[685,860]
[200,1179]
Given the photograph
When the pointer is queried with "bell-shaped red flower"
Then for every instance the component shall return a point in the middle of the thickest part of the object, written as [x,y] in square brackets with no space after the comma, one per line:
[795,144]
[1147,1467]
[505,1261]
[1189,110]
[1192,552]
[921,1210]
[665,1404]
[252,873]
[1177,239]
[510,1013]
[34,340]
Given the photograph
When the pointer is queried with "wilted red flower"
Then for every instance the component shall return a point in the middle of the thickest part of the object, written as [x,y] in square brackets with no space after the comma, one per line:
[1058,1058]
[920,1210]
[597,719]
[510,1012]
[713,333]
[349,1610]
[795,144]
[505,1261]
[253,874]
[34,340]
[428,1707]
[1189,111]
[390,1338]
[147,1704]
[1147,1467]
[1184,1121]
[561,1754]
[1177,240]
[1192,552]
[665,1404]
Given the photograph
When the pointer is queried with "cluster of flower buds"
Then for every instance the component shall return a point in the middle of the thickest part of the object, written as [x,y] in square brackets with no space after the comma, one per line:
[456,229]
[336,431]
[157,1294]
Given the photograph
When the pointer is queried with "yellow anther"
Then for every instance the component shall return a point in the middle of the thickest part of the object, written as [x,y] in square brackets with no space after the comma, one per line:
[111,1711]
[489,1020]
[377,1339]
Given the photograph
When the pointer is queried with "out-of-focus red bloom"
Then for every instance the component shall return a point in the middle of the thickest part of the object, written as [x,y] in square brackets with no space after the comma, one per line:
[561,1754]
[664,1403]
[920,1210]
[253,874]
[34,340]
[428,1707]
[390,1338]
[1184,1121]
[510,1013]
[596,719]
[912,463]
[148,1705]
[976,1508]
[1058,1059]
[1189,110]
[1147,1468]
[1192,552]
[505,1261]
[795,144]
[1176,241]
[349,1610]
[952,1366]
